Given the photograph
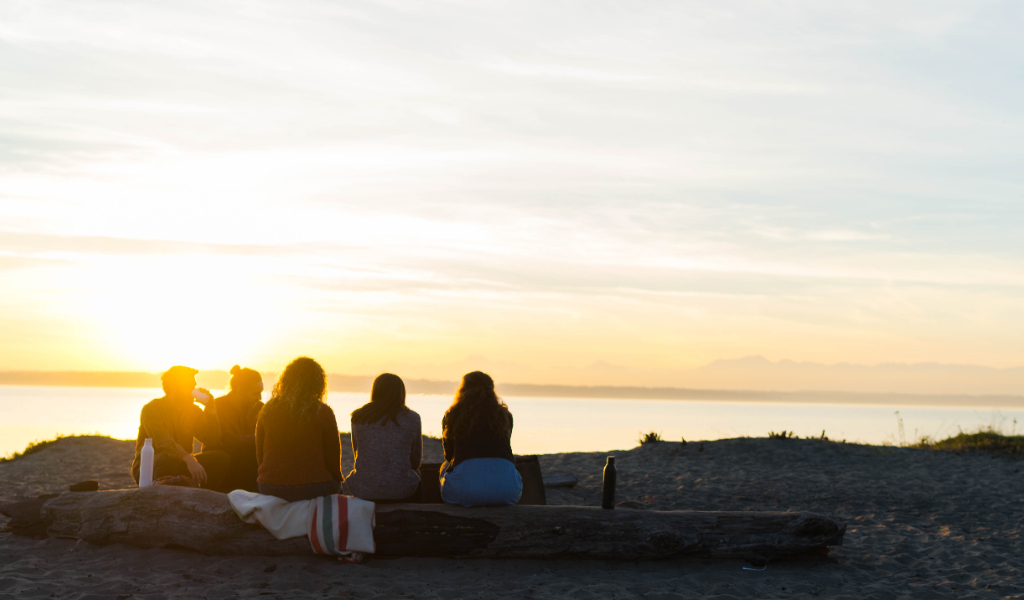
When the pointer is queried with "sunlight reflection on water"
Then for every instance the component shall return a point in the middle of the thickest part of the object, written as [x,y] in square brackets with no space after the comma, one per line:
[542,425]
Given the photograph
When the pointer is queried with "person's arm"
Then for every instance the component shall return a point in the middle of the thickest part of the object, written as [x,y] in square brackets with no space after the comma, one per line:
[260,431]
[331,444]
[154,421]
[416,459]
[209,425]
[447,443]
[251,419]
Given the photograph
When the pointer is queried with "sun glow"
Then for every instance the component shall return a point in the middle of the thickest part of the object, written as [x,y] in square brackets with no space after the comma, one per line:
[155,312]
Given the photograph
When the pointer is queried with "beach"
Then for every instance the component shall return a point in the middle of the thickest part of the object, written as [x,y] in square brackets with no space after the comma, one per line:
[921,524]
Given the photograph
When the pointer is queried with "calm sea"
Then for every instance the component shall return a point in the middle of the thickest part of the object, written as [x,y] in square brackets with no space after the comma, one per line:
[542,425]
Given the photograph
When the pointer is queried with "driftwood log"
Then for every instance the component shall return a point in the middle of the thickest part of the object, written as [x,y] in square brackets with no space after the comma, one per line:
[204,521]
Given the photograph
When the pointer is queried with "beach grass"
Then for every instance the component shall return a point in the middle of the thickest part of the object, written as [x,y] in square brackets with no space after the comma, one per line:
[651,437]
[986,440]
[32,448]
[39,445]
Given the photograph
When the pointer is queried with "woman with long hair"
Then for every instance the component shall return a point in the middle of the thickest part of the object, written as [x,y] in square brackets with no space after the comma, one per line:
[238,411]
[387,443]
[297,443]
[479,468]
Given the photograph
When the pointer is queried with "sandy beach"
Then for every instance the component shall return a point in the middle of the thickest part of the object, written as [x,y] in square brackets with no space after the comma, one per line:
[922,524]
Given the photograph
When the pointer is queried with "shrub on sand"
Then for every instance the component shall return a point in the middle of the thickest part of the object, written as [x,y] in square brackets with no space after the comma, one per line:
[32,448]
[987,440]
[650,438]
[38,445]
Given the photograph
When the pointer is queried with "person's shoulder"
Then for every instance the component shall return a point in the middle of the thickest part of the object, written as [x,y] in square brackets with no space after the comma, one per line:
[410,416]
[154,404]
[222,403]
[227,398]
[326,411]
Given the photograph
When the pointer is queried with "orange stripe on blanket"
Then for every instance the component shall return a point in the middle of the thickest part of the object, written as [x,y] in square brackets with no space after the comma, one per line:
[313,537]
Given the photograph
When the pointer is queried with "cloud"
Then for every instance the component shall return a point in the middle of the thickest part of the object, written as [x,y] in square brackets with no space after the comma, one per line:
[665,183]
[843,236]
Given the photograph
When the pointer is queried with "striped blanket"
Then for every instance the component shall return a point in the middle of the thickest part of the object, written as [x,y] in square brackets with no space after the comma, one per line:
[337,525]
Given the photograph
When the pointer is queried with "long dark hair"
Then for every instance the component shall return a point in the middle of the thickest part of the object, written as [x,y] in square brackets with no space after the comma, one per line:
[476,406]
[387,401]
[299,390]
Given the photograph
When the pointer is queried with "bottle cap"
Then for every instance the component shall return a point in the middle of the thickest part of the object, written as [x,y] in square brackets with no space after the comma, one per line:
[611,460]
[149,442]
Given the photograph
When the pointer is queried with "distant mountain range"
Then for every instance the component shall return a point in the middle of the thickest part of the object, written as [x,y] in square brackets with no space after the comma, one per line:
[745,379]
[756,372]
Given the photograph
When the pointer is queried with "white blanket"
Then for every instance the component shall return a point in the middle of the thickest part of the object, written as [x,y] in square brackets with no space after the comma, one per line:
[344,529]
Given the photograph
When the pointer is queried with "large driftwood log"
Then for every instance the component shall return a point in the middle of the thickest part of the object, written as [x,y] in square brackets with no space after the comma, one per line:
[204,521]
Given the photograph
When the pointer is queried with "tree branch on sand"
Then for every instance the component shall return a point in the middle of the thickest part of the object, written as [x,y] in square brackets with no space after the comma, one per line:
[204,521]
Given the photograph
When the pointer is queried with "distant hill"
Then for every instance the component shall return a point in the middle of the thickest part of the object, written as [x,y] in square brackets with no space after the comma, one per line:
[756,372]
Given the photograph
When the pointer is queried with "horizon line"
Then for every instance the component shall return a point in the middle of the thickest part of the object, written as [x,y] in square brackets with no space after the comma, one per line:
[338,382]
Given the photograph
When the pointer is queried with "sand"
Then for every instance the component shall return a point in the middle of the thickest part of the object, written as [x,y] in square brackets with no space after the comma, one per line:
[922,524]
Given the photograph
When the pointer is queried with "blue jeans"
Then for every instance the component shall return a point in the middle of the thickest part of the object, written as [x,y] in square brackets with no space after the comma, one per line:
[481,482]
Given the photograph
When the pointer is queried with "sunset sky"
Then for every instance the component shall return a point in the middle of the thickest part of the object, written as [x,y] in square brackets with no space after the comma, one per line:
[559,192]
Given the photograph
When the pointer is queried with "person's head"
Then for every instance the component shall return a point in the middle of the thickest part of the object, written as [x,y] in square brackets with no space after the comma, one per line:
[476,406]
[300,389]
[387,400]
[179,381]
[247,382]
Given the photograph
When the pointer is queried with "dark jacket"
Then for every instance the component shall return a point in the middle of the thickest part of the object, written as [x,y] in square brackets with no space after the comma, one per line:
[237,417]
[480,443]
[294,452]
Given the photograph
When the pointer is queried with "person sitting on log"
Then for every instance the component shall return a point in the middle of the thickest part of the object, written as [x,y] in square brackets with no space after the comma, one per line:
[237,412]
[479,468]
[174,422]
[387,443]
[297,443]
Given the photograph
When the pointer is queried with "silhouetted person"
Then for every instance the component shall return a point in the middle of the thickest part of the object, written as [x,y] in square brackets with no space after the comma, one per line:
[297,442]
[479,468]
[173,422]
[387,443]
[237,412]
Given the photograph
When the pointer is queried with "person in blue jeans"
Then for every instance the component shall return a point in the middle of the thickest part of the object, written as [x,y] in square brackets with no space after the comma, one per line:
[479,468]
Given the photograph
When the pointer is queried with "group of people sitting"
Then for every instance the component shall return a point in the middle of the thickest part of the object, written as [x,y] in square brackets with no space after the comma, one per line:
[290,447]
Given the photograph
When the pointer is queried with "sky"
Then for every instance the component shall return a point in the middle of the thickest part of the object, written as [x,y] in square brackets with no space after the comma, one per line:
[559,192]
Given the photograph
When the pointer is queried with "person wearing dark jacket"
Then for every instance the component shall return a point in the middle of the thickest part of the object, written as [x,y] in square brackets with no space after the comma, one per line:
[174,422]
[297,443]
[238,411]
[479,467]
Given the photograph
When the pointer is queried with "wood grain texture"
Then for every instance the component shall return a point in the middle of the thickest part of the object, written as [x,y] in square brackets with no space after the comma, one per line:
[204,521]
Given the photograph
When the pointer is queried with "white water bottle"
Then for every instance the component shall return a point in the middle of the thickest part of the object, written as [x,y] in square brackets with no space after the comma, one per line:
[146,465]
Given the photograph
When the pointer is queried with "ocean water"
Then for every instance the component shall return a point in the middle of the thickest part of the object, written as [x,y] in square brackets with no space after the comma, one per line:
[542,425]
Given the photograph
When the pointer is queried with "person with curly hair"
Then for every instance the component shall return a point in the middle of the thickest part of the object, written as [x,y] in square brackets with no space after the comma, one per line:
[298,448]
[479,467]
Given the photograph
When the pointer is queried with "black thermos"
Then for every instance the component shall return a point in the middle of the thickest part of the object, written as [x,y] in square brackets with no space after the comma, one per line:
[608,484]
